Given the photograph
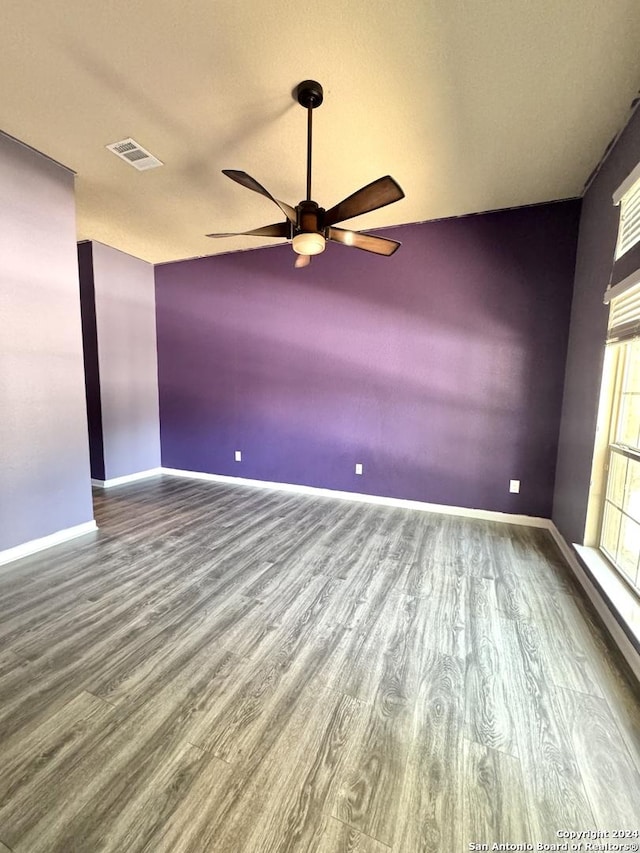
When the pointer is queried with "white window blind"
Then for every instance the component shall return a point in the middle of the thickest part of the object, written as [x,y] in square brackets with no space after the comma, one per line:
[629,228]
[624,316]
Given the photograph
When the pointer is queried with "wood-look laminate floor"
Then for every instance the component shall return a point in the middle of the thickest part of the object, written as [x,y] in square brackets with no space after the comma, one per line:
[249,671]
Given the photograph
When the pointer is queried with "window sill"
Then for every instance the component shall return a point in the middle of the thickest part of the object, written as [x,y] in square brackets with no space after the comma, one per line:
[621,599]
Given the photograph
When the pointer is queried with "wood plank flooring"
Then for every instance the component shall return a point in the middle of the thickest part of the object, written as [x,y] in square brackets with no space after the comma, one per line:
[228,670]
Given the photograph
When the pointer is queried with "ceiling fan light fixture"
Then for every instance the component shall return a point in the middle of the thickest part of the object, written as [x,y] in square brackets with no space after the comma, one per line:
[309,243]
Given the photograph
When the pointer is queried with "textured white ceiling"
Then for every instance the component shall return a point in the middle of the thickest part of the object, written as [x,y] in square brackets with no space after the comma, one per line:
[470,104]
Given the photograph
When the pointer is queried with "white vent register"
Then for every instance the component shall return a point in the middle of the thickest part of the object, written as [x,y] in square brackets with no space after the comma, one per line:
[133,153]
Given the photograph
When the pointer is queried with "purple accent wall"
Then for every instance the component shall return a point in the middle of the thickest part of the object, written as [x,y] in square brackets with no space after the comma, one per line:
[91,365]
[589,316]
[439,369]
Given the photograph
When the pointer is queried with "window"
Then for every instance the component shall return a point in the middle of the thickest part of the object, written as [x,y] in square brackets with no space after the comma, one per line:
[620,529]
[611,545]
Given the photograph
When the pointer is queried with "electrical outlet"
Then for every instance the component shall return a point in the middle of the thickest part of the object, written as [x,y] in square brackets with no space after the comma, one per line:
[358,467]
[514,486]
[238,456]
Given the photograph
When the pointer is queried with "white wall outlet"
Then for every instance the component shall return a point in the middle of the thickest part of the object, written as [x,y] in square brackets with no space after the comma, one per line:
[514,486]
[238,456]
[358,467]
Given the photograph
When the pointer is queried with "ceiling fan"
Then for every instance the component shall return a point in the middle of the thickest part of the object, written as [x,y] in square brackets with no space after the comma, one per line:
[308,225]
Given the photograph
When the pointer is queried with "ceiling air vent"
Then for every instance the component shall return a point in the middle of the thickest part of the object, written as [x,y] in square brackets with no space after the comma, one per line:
[135,154]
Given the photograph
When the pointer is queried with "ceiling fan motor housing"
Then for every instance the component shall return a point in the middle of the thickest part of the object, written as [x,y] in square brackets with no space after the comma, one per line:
[310,217]
[309,237]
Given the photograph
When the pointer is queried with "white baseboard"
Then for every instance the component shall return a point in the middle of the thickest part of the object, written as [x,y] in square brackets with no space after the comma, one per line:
[127,478]
[612,625]
[36,545]
[486,515]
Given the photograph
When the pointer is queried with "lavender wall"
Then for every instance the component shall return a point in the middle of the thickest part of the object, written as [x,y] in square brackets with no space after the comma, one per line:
[119,327]
[439,369]
[44,453]
[596,246]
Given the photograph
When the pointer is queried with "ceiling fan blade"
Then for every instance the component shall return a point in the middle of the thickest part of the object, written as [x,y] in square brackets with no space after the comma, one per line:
[366,242]
[302,261]
[251,184]
[374,195]
[278,229]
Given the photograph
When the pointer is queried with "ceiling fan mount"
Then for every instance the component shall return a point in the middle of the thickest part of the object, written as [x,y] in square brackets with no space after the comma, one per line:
[309,226]
[309,94]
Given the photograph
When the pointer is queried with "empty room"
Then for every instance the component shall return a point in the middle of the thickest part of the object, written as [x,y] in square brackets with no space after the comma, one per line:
[320,427]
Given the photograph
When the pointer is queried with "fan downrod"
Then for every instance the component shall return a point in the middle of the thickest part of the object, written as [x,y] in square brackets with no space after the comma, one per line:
[309,94]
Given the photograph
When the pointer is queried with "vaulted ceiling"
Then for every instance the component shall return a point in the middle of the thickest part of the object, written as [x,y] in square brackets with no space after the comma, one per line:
[471,106]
